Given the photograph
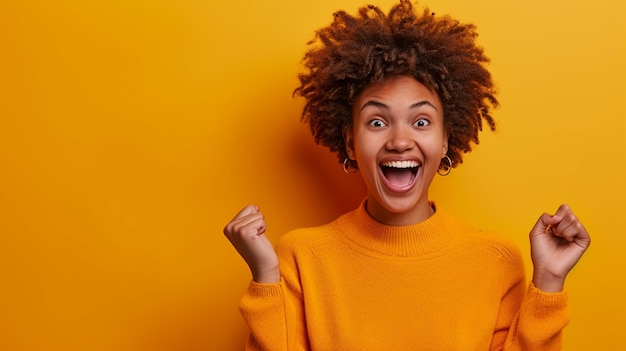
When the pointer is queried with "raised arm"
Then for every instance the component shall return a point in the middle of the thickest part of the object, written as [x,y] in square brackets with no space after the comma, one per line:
[272,310]
[557,241]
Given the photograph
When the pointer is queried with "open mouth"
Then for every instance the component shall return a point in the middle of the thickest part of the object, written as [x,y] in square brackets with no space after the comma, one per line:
[400,174]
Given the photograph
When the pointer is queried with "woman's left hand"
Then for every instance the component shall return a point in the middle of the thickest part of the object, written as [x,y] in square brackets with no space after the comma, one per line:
[557,242]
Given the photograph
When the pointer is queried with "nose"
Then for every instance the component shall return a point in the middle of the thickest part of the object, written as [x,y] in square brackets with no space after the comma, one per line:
[400,139]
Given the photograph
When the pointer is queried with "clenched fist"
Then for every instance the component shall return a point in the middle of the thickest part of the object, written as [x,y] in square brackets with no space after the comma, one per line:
[557,242]
[246,231]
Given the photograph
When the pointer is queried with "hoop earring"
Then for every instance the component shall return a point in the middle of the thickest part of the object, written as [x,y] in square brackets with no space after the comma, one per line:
[345,167]
[448,169]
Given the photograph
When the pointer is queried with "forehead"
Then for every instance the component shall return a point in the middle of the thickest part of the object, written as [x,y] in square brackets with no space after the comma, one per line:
[398,89]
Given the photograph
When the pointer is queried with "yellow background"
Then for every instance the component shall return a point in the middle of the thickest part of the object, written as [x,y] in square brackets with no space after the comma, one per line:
[132,131]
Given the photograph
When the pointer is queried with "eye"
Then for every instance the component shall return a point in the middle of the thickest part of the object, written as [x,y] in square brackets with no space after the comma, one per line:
[422,122]
[377,123]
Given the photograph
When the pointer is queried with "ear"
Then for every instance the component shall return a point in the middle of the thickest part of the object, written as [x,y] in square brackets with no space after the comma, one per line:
[349,141]
[444,150]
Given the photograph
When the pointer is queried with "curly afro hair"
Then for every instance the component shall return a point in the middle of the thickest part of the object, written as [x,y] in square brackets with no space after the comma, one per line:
[356,51]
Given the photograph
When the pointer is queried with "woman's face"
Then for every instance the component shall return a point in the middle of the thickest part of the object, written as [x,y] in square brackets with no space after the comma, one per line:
[398,140]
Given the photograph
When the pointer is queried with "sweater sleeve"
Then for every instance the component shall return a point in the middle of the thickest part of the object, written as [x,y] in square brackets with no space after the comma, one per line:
[263,309]
[275,312]
[529,319]
[540,322]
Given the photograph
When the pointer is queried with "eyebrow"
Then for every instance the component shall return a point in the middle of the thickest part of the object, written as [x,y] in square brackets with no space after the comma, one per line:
[383,106]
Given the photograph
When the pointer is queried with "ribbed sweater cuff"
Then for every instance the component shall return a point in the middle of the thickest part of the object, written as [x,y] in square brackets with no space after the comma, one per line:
[542,318]
[548,301]
[264,290]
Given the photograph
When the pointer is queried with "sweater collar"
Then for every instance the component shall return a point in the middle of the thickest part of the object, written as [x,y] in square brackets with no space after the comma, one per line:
[428,236]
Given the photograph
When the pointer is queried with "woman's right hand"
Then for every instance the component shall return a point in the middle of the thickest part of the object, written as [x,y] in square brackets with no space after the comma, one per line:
[246,231]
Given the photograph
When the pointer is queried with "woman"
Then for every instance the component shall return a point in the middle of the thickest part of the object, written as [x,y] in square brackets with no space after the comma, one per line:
[400,97]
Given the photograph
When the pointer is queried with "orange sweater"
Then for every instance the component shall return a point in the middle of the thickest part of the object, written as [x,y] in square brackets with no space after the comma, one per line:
[356,284]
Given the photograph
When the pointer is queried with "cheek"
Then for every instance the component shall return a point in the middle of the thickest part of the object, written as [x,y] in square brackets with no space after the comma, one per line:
[366,146]
[436,147]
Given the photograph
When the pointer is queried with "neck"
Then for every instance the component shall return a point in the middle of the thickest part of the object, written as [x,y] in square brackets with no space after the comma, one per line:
[419,213]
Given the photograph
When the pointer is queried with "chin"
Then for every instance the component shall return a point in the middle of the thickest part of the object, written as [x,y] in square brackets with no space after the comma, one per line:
[403,205]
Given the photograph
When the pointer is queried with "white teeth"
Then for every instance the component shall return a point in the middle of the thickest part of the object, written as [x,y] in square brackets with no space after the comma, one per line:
[400,164]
